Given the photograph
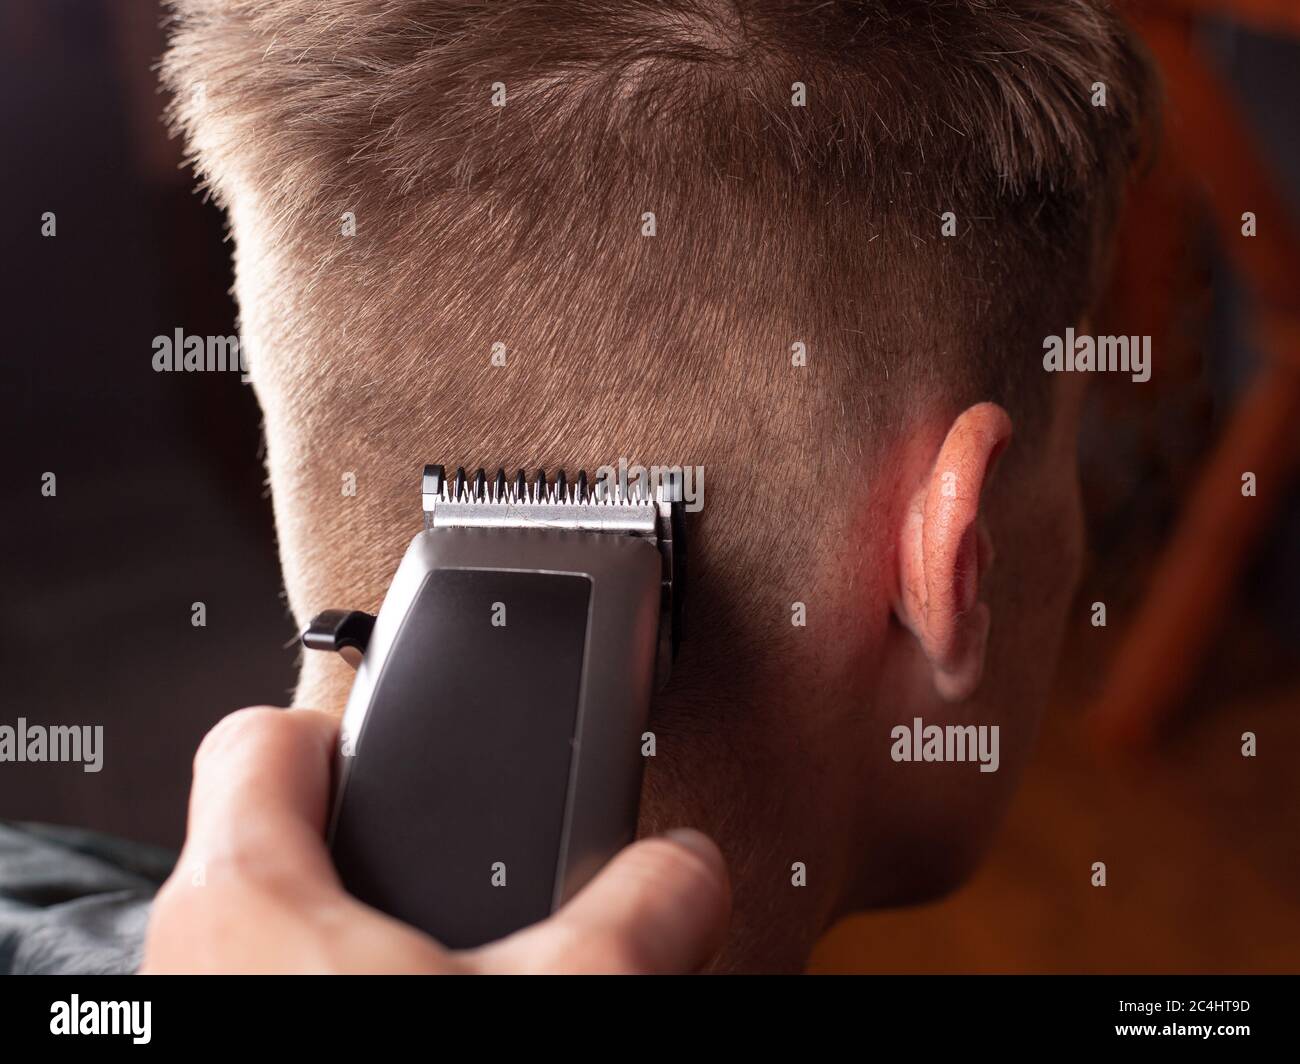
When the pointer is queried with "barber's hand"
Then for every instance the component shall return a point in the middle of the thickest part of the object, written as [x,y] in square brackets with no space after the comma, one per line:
[254,890]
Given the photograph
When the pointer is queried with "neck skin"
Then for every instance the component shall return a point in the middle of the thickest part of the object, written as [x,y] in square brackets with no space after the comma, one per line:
[324,682]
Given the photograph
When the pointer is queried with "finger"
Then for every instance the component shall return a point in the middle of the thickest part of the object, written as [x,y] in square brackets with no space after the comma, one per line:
[659,907]
[260,797]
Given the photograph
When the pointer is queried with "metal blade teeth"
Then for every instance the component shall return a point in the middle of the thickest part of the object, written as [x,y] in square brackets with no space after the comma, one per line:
[540,489]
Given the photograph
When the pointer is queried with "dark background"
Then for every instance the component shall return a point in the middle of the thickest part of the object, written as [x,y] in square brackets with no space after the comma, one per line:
[161,500]
[161,503]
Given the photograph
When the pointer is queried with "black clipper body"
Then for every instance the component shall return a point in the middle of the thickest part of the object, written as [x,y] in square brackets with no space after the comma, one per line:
[490,753]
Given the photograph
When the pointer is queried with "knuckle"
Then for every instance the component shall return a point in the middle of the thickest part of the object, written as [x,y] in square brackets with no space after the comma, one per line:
[245,863]
[251,860]
[240,730]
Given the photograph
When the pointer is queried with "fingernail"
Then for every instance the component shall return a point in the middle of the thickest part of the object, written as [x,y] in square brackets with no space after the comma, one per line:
[695,841]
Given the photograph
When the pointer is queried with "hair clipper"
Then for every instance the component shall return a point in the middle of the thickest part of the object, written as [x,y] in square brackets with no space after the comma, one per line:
[490,753]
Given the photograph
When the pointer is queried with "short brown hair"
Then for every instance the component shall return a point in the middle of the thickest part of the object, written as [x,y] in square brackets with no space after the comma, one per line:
[798,157]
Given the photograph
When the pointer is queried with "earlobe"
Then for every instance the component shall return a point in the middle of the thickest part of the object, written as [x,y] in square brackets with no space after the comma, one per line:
[945,551]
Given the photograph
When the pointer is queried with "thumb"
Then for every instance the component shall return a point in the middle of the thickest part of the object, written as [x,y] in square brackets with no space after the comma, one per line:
[659,908]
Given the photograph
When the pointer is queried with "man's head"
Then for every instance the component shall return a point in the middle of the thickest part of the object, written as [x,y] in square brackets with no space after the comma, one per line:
[812,247]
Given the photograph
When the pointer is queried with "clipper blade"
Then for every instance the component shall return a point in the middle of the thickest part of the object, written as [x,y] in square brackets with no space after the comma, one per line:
[575,504]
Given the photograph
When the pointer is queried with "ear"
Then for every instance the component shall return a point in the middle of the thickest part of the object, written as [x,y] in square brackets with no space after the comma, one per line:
[945,550]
